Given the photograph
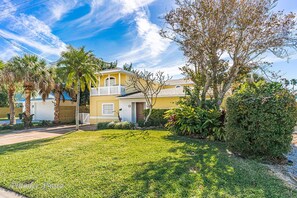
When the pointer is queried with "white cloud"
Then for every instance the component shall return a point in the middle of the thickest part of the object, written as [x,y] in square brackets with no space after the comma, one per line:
[7,9]
[44,49]
[149,45]
[28,33]
[130,6]
[59,8]
[103,14]
[9,51]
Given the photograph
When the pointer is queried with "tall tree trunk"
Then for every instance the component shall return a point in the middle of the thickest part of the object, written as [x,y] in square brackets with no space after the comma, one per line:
[77,106]
[28,102]
[11,92]
[149,114]
[57,107]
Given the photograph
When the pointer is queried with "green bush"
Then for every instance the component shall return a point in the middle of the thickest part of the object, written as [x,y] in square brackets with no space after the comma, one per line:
[260,120]
[115,125]
[45,123]
[195,121]
[12,127]
[18,126]
[156,119]
[102,125]
[5,127]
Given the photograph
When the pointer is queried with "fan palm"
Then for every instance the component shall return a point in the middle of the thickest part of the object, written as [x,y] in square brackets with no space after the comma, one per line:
[10,77]
[58,90]
[80,66]
[35,77]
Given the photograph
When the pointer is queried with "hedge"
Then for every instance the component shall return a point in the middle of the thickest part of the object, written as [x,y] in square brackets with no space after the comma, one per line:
[156,119]
[260,120]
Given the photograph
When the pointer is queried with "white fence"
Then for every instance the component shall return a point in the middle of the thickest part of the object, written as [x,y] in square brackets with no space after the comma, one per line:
[84,118]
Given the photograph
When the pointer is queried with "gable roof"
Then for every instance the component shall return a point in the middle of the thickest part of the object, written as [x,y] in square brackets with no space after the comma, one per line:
[181,81]
[115,70]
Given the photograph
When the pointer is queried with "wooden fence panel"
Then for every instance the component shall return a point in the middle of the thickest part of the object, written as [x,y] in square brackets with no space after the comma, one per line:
[5,110]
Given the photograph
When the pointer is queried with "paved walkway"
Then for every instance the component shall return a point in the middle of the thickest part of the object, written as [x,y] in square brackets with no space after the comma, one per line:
[36,134]
[9,194]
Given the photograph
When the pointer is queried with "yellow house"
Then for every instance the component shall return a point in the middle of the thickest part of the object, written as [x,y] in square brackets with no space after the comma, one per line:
[112,97]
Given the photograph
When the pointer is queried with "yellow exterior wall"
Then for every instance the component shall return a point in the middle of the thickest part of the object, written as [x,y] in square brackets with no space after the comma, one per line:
[166,103]
[116,76]
[96,109]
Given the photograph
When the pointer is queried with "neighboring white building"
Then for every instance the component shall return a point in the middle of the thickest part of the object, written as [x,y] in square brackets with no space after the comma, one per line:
[44,110]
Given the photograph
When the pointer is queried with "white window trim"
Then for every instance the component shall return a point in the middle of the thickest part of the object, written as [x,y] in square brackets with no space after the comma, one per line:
[115,79]
[108,104]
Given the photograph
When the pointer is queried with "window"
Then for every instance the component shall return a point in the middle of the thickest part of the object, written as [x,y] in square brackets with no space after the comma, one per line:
[112,81]
[178,86]
[107,109]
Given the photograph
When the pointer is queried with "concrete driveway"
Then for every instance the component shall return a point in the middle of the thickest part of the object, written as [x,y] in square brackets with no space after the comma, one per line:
[7,121]
[36,134]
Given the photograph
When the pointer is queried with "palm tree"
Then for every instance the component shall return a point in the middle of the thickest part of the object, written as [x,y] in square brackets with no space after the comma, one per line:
[35,77]
[10,77]
[80,66]
[58,90]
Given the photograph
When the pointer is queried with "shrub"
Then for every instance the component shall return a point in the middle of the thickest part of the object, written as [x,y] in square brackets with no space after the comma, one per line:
[156,119]
[115,125]
[102,125]
[260,120]
[45,123]
[195,121]
[18,127]
[6,127]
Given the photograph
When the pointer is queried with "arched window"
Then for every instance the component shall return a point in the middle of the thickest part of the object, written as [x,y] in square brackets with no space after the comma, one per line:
[112,81]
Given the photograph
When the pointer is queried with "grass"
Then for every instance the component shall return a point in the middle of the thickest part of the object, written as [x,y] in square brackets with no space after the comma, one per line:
[3,119]
[113,163]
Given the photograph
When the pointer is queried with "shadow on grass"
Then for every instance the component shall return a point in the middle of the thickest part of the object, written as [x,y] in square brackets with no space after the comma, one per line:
[137,134]
[28,145]
[205,170]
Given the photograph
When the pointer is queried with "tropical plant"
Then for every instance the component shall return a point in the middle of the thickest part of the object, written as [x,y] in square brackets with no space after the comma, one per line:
[10,77]
[34,77]
[59,89]
[80,67]
[195,121]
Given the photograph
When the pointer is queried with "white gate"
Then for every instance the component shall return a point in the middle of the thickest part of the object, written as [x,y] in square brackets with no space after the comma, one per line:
[84,118]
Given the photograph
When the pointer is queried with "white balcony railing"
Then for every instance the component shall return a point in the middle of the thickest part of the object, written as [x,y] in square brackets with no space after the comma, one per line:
[112,90]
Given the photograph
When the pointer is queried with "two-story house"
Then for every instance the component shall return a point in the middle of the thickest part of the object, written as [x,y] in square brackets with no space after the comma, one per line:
[113,95]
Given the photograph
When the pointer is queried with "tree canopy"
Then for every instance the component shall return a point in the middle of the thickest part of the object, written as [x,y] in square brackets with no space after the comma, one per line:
[225,39]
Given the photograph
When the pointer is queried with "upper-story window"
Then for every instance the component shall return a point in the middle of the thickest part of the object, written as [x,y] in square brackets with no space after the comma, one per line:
[110,81]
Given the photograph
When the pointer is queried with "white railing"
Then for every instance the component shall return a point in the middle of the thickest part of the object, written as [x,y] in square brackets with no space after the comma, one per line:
[112,90]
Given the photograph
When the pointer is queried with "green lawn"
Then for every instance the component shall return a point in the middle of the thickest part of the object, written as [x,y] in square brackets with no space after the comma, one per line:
[114,163]
[3,119]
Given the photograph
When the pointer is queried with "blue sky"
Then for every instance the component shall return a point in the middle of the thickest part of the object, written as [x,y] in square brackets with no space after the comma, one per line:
[122,30]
